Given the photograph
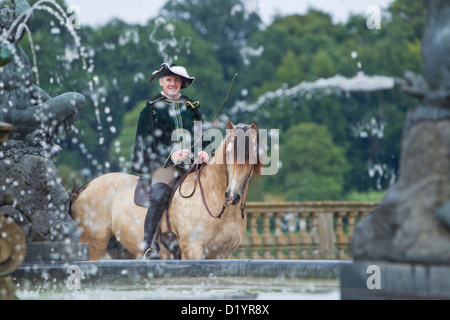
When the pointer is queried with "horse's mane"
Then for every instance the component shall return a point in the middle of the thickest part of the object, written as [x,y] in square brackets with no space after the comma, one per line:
[249,146]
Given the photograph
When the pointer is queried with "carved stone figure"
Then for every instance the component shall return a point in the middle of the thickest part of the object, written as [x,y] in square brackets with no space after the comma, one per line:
[29,188]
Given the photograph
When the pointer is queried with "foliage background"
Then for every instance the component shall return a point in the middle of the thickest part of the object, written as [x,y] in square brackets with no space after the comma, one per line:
[335,146]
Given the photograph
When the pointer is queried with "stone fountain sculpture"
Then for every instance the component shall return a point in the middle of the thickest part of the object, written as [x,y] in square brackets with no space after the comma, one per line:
[30,192]
[408,234]
[412,222]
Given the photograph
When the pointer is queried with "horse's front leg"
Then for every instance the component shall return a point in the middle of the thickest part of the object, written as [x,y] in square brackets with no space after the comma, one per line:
[193,251]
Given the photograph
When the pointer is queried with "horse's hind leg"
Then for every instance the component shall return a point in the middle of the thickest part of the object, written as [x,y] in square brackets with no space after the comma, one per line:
[97,236]
[97,246]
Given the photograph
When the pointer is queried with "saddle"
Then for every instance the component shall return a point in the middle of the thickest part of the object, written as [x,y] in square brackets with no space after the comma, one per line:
[142,193]
[144,188]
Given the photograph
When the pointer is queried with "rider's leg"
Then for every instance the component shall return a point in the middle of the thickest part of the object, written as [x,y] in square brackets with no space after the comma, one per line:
[162,178]
[159,197]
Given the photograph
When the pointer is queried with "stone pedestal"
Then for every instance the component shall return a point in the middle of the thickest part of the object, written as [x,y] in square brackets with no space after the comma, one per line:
[405,226]
[31,194]
[56,252]
[404,244]
[363,280]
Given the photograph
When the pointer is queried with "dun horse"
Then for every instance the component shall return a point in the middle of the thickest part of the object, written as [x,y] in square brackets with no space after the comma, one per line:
[209,224]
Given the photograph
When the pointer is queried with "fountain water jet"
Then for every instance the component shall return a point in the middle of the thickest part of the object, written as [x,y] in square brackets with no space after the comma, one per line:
[359,82]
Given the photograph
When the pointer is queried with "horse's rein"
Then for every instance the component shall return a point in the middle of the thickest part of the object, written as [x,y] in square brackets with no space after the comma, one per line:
[197,178]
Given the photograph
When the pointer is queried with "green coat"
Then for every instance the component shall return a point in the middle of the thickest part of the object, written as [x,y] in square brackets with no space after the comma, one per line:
[158,123]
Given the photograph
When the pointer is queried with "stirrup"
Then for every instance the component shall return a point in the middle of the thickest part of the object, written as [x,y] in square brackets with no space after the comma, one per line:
[151,254]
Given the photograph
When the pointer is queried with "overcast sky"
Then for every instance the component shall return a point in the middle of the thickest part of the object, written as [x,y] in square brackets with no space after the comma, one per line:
[97,12]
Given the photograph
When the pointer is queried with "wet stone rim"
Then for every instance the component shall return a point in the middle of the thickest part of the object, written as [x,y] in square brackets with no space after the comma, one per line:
[130,271]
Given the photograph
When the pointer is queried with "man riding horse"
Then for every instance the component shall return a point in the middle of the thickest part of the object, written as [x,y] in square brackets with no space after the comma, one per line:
[161,148]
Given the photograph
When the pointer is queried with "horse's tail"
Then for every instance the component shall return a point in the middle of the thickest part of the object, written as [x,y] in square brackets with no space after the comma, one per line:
[73,196]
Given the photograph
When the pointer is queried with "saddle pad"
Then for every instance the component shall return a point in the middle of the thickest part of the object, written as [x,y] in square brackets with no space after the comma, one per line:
[144,188]
[142,192]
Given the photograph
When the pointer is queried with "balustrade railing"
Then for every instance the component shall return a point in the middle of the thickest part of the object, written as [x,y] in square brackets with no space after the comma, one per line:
[301,230]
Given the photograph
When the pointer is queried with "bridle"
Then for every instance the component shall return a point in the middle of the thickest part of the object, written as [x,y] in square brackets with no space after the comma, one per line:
[198,171]
[243,202]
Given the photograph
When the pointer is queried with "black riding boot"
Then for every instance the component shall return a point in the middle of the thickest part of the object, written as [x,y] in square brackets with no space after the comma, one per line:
[159,197]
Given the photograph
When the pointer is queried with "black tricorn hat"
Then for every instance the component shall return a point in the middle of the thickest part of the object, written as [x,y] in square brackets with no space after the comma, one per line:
[173,69]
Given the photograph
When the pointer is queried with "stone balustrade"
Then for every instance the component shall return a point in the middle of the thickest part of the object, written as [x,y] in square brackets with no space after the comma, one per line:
[301,230]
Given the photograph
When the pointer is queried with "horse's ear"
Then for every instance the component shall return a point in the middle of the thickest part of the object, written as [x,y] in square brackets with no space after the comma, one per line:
[230,125]
[254,130]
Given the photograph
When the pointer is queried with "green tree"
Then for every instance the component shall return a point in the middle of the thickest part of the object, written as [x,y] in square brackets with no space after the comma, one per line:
[121,150]
[313,165]
[289,71]
[297,48]
[226,23]
[322,66]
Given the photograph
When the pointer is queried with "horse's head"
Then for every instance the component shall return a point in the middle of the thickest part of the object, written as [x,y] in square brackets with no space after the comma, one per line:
[241,158]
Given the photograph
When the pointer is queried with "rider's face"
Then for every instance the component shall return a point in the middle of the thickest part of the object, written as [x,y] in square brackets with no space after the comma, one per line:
[171,86]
